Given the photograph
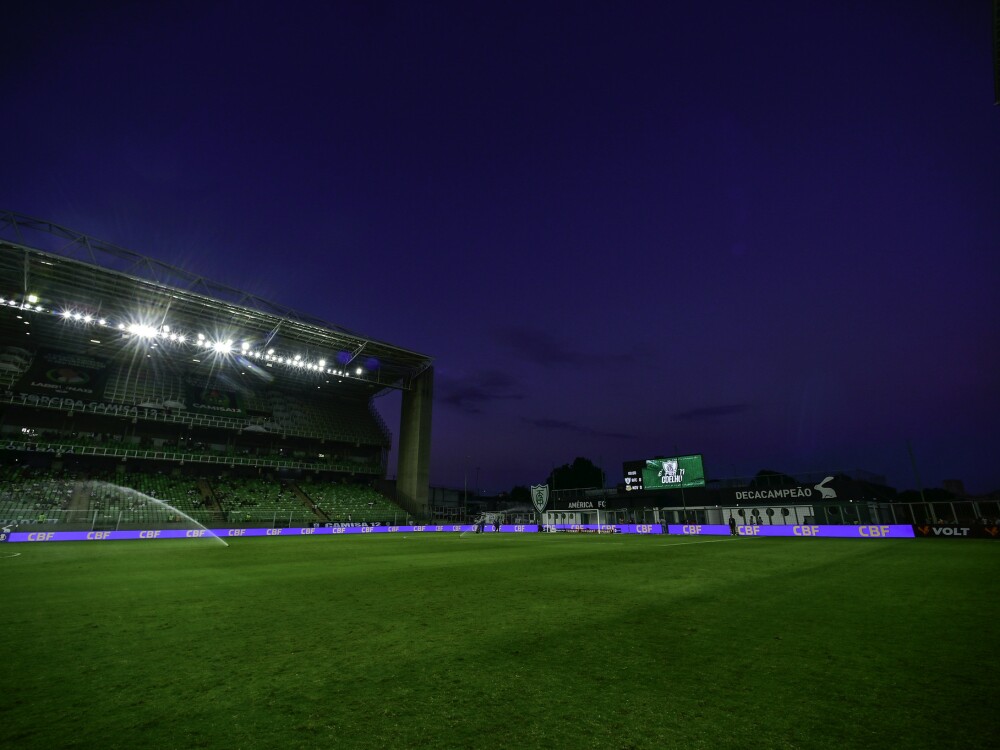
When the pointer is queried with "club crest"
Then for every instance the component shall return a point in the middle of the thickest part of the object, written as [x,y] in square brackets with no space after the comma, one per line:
[540,496]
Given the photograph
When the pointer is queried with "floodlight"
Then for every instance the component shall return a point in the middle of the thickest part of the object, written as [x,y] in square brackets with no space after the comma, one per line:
[103,322]
[245,346]
[77,316]
[143,331]
[223,347]
[38,308]
[181,338]
[87,318]
[33,299]
[166,328]
[298,357]
[270,351]
[201,336]
[322,363]
[65,313]
[121,326]
[358,371]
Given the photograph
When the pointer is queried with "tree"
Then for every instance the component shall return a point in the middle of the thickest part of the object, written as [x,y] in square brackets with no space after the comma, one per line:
[582,473]
[520,494]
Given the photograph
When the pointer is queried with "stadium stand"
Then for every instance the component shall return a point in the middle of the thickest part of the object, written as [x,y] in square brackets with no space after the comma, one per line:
[124,381]
[347,502]
[261,502]
[31,496]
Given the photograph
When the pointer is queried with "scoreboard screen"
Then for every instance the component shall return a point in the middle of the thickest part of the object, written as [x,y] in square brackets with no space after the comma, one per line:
[674,473]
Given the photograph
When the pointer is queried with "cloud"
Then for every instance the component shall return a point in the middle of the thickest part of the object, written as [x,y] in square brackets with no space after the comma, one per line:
[541,348]
[558,424]
[723,410]
[471,393]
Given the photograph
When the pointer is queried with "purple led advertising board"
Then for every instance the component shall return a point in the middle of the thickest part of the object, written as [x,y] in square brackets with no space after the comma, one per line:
[693,528]
[884,531]
[100,536]
[88,536]
[618,528]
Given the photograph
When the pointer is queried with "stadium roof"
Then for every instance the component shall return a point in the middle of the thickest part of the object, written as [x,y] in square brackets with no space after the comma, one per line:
[81,280]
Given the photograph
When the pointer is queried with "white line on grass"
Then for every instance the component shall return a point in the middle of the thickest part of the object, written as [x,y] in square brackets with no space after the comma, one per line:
[708,541]
[12,554]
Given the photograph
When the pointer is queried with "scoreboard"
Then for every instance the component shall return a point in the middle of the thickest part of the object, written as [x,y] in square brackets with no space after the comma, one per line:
[679,472]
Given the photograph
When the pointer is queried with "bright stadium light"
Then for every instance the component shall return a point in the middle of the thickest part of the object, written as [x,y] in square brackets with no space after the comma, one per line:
[142,331]
[298,357]
[65,313]
[87,319]
[77,316]
[103,321]
[166,329]
[270,351]
[33,299]
[358,371]
[223,347]
[245,346]
[322,363]
[201,336]
[181,338]
[121,326]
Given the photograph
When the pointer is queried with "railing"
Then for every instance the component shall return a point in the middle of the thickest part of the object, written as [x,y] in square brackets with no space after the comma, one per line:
[960,512]
[183,456]
[185,418]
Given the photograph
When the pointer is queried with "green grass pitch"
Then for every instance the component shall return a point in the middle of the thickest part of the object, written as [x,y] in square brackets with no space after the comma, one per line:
[510,641]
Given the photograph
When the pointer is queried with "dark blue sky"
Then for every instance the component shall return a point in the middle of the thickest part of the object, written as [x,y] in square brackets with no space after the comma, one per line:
[766,232]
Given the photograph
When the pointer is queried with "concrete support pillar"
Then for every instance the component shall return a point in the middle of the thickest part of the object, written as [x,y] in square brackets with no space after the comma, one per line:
[413,471]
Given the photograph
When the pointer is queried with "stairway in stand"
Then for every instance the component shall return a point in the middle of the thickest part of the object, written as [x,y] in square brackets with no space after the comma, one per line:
[210,500]
[307,501]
